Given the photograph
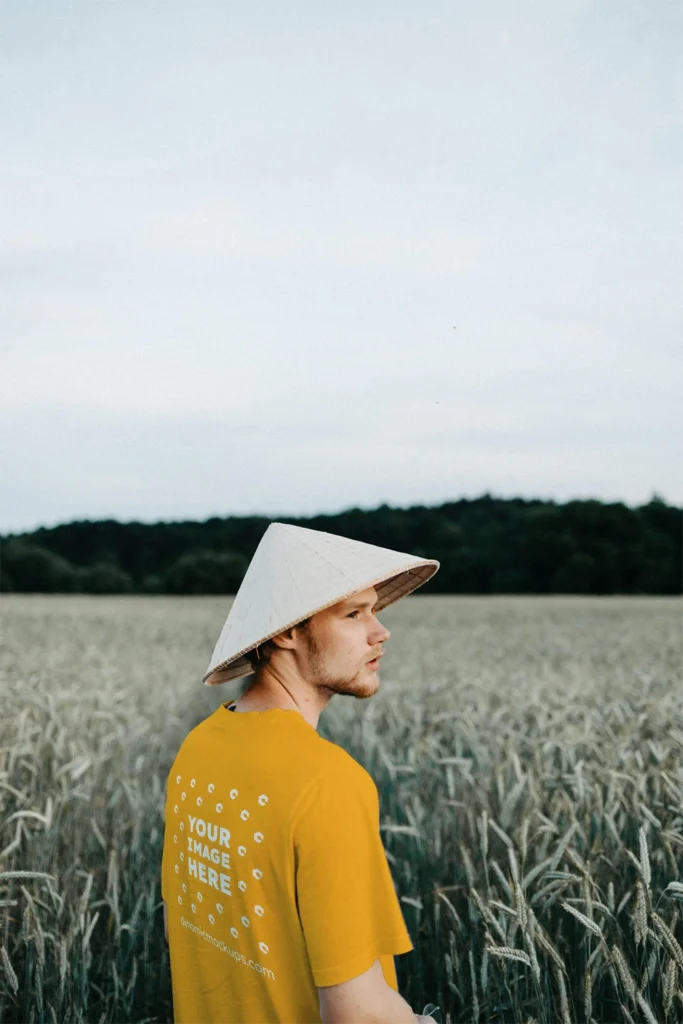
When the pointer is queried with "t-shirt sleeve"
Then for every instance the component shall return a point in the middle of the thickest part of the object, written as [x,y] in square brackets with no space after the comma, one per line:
[347,903]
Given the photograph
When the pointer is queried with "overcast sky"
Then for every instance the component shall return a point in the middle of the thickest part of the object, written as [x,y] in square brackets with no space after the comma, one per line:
[292,257]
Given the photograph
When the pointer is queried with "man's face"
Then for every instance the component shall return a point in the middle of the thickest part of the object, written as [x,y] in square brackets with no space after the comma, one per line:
[340,641]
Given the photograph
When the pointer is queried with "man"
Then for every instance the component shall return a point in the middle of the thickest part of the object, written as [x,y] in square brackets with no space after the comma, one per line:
[278,900]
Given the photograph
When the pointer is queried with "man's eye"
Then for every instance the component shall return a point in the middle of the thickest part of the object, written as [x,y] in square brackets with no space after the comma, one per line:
[351,614]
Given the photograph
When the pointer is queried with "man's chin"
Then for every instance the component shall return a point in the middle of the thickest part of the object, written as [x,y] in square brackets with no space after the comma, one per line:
[362,686]
[368,685]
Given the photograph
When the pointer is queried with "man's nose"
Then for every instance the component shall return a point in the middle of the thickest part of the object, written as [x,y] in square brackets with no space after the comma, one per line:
[384,634]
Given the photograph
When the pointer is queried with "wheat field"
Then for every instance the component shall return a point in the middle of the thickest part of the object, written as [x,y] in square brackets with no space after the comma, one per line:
[528,752]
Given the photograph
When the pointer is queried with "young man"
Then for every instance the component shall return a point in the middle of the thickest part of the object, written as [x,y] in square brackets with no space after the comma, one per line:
[278,899]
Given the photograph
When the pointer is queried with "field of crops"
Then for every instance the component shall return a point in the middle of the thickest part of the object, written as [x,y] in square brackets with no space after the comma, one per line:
[529,758]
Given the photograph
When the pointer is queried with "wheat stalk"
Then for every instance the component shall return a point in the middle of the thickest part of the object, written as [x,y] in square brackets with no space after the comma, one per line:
[669,984]
[645,1007]
[586,921]
[564,1005]
[644,858]
[507,952]
[639,916]
[588,993]
[669,938]
[9,970]
[627,979]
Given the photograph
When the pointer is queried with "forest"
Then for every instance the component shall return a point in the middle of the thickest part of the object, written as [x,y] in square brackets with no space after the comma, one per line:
[486,545]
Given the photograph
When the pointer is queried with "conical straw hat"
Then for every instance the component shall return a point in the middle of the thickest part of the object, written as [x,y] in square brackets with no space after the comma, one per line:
[296,572]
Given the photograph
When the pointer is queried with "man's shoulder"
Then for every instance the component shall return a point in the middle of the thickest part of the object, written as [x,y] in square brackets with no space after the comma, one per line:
[339,768]
[340,791]
[193,742]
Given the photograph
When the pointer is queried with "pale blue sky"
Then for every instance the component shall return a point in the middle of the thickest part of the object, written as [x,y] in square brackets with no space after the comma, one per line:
[236,238]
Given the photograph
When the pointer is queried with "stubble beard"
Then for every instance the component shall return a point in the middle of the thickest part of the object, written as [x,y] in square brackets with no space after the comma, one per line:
[353,686]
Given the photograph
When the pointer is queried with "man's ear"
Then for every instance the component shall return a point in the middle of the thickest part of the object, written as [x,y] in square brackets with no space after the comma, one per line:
[286,639]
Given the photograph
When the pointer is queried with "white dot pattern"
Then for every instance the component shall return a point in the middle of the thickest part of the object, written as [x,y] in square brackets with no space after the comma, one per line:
[206,915]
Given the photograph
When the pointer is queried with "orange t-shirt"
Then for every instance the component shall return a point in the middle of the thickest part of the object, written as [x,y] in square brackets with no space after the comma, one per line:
[273,871]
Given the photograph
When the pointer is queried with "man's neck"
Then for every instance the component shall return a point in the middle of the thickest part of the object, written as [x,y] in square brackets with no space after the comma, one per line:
[260,696]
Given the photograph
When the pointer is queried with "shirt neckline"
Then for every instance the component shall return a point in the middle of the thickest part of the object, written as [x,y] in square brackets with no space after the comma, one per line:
[270,711]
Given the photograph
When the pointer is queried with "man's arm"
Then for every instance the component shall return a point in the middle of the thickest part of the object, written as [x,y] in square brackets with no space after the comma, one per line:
[364,999]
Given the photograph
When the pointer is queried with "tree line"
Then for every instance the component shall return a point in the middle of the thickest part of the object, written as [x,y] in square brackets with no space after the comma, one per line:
[485,545]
